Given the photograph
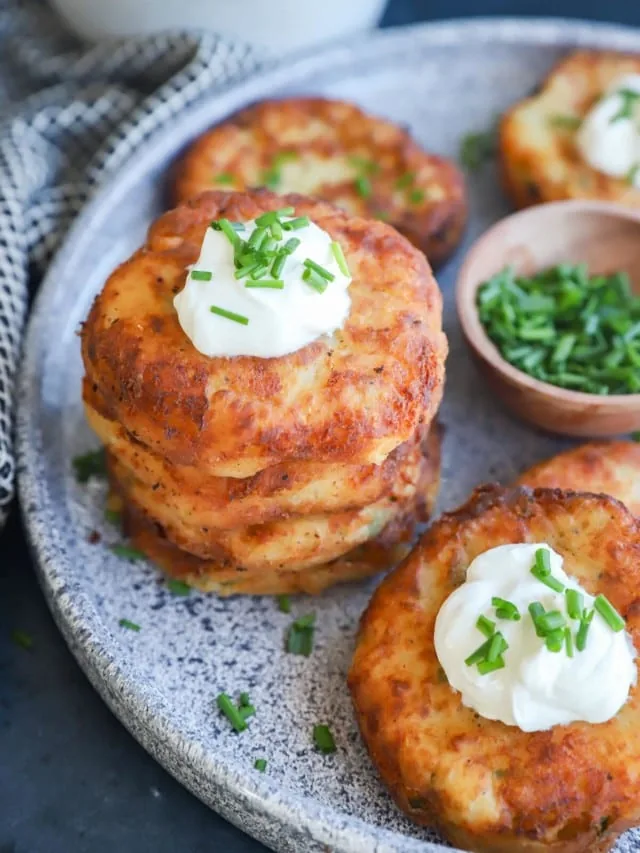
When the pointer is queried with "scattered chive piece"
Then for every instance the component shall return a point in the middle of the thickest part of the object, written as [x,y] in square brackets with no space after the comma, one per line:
[235,226]
[323,739]
[363,186]
[257,238]
[536,610]
[338,254]
[271,178]
[244,699]
[314,280]
[246,269]
[583,630]
[177,587]
[487,666]
[405,180]
[417,196]
[543,561]
[300,635]
[201,275]
[131,626]
[276,230]
[127,552]
[574,600]
[476,148]
[568,640]
[237,318]
[246,711]
[112,516]
[291,245]
[497,645]
[229,231]
[608,612]
[629,99]
[295,224]
[485,626]
[259,272]
[565,122]
[260,764]
[90,464]
[635,436]
[224,178]
[555,640]
[480,654]
[550,621]
[278,265]
[22,639]
[547,579]
[284,604]
[505,609]
[268,283]
[285,211]
[231,712]
[324,273]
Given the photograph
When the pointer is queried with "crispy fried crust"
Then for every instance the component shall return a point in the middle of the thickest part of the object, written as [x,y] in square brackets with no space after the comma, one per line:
[350,398]
[329,145]
[606,467]
[378,553]
[540,160]
[489,787]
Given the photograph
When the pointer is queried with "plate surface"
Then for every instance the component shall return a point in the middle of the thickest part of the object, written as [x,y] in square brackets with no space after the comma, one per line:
[443,80]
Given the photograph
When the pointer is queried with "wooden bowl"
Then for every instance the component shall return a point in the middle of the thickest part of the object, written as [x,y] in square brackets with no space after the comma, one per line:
[605,237]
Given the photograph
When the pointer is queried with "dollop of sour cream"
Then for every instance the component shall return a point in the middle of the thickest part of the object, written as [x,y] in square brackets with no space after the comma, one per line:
[268,322]
[537,688]
[609,136]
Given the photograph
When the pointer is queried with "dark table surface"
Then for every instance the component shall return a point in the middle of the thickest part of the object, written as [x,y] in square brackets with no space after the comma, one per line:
[71,778]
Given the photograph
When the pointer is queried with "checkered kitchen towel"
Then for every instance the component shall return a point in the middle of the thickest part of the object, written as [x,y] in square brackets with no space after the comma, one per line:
[69,116]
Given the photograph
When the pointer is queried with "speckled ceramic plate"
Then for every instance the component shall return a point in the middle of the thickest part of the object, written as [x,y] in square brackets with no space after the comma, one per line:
[442,80]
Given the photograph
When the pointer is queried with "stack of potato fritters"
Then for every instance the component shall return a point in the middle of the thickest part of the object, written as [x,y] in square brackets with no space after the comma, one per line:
[269,475]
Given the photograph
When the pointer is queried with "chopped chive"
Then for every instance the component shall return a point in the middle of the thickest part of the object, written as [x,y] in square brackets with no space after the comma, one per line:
[224,178]
[536,610]
[22,639]
[323,739]
[244,699]
[417,196]
[232,713]
[259,272]
[246,269]
[129,625]
[574,601]
[201,275]
[285,211]
[271,178]
[284,604]
[266,283]
[257,238]
[90,464]
[480,654]
[291,245]
[278,265]
[295,224]
[486,626]
[405,180]
[543,561]
[363,186]
[497,645]
[324,273]
[222,312]
[338,254]
[246,711]
[300,635]
[608,612]
[177,587]
[260,764]
[550,621]
[568,641]
[235,226]
[487,666]
[276,230]
[505,609]
[229,231]
[476,148]
[314,280]
[554,640]
[127,552]
[112,516]
[267,219]
[583,630]
[548,580]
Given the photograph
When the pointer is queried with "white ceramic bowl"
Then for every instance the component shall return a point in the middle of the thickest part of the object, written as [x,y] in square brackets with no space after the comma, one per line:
[276,25]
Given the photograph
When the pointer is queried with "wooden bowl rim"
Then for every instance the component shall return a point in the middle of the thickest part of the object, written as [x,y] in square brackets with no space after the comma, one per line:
[475,333]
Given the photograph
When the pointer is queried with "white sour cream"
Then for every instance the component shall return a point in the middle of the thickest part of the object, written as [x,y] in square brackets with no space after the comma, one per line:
[279,321]
[609,137]
[537,688]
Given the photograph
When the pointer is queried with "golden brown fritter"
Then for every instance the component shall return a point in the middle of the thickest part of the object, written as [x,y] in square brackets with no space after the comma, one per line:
[298,542]
[604,467]
[334,151]
[539,158]
[379,553]
[277,492]
[352,398]
[489,787]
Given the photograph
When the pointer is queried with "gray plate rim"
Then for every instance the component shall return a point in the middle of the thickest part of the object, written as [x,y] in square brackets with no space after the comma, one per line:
[272,813]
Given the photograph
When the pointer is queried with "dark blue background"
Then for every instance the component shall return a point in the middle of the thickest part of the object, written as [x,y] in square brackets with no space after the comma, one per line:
[71,778]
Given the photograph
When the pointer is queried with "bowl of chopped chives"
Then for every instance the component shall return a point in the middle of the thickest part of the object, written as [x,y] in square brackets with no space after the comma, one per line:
[549,303]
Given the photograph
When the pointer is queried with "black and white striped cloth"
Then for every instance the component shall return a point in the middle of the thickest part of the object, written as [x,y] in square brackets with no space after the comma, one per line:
[70,114]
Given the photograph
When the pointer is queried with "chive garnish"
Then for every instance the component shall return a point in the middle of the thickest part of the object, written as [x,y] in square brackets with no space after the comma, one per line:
[291,245]
[405,180]
[497,645]
[228,230]
[574,601]
[317,268]
[260,764]
[22,639]
[476,148]
[536,610]
[257,238]
[629,100]
[338,254]
[568,640]
[90,464]
[259,272]
[278,265]
[247,268]
[554,640]
[201,275]
[295,224]
[608,612]
[230,315]
[550,621]
[548,580]
[127,552]
[224,178]
[276,230]
[417,196]
[244,699]
[543,561]
[284,604]
[480,654]
[363,186]
[487,666]
[300,635]
[323,739]
[231,712]
[177,587]
[266,283]
[128,624]
[505,609]
[486,626]
[583,630]
[246,711]
[314,280]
